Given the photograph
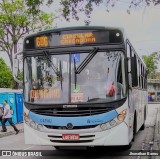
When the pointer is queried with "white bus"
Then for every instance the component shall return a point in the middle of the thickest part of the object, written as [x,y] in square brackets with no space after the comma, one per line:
[83,86]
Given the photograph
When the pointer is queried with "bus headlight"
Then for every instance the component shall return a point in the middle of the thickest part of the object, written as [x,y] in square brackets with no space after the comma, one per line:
[39,127]
[32,124]
[35,125]
[116,121]
[112,123]
[103,126]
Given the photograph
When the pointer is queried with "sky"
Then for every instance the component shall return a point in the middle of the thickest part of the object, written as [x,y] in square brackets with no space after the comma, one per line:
[142,24]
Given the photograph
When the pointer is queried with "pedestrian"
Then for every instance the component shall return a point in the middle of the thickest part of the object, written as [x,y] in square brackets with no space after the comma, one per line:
[1,112]
[7,116]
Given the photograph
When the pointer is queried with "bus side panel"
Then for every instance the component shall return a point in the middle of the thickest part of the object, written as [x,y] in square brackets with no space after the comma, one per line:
[138,104]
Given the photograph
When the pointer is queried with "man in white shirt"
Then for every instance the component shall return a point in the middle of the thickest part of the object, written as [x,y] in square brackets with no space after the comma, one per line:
[1,113]
[7,116]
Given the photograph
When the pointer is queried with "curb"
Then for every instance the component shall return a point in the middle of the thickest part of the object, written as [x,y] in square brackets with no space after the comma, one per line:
[10,133]
[156,141]
[153,102]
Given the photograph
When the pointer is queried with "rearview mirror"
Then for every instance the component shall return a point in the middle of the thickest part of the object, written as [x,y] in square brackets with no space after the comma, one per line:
[16,67]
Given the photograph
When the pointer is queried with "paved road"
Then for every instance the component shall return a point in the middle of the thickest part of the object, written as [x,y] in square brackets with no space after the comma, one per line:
[142,140]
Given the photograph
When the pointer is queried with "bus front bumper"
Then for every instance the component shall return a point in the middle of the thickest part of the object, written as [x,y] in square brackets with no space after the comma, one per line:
[118,135]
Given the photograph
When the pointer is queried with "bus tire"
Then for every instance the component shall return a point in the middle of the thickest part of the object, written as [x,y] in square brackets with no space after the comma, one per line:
[134,126]
[143,126]
[57,147]
[127,147]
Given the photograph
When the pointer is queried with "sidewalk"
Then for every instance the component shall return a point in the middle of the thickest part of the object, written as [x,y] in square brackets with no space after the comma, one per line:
[153,102]
[156,140]
[10,130]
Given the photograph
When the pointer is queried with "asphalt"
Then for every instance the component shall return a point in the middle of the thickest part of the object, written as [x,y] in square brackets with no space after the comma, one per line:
[10,130]
[156,137]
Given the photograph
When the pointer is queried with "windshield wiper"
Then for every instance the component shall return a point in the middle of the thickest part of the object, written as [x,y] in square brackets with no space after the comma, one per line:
[86,60]
[60,74]
[55,69]
[84,63]
[96,99]
[75,75]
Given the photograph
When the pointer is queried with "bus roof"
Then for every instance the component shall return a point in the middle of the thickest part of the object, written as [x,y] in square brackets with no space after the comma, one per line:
[81,28]
[77,28]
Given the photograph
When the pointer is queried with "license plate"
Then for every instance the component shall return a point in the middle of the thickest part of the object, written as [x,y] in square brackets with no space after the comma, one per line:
[70,137]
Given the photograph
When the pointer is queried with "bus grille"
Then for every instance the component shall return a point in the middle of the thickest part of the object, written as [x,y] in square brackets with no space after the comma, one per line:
[83,139]
[76,141]
[62,112]
[74,128]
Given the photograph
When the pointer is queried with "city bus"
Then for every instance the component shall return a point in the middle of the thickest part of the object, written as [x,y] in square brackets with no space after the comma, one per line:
[83,86]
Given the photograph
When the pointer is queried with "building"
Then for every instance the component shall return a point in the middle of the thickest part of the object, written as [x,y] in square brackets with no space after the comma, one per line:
[153,90]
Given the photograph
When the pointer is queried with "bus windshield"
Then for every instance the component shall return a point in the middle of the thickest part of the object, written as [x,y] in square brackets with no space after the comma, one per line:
[76,79]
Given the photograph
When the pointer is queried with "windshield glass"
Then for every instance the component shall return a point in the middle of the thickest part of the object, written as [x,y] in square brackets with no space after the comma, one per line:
[42,83]
[99,79]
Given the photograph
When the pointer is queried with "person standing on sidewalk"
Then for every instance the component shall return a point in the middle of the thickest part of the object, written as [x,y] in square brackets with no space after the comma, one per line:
[7,116]
[1,112]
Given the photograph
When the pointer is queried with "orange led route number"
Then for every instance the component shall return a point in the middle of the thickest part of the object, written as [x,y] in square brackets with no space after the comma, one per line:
[42,41]
[77,38]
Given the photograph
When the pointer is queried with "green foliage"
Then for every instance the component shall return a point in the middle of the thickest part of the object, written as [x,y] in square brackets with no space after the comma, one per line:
[151,62]
[72,8]
[20,75]
[16,20]
[154,75]
[6,78]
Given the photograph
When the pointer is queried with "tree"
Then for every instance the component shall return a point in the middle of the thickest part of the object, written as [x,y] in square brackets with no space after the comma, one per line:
[72,8]
[151,62]
[6,78]
[17,20]
[20,75]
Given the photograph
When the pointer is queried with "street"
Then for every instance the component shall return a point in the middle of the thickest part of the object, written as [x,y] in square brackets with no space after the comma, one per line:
[144,140]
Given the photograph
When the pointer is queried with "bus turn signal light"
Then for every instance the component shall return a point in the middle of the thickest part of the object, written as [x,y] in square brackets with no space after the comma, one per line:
[122,115]
[26,118]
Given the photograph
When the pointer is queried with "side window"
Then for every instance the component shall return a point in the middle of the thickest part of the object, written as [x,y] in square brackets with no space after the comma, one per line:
[134,70]
[145,79]
[142,75]
[129,56]
[139,74]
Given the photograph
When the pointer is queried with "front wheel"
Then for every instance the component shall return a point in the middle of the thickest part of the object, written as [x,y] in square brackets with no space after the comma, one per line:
[142,127]
[127,147]
[57,147]
[134,127]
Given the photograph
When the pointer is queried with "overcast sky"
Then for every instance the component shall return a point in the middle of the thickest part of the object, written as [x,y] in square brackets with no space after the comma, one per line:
[142,24]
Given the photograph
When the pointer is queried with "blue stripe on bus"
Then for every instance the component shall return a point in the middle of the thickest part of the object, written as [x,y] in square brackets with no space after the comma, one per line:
[76,121]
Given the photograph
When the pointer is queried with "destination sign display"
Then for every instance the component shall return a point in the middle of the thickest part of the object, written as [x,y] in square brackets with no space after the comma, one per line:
[78,38]
[73,38]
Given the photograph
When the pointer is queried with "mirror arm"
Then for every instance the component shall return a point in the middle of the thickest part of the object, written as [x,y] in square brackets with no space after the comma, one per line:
[14,76]
[18,53]
[17,80]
